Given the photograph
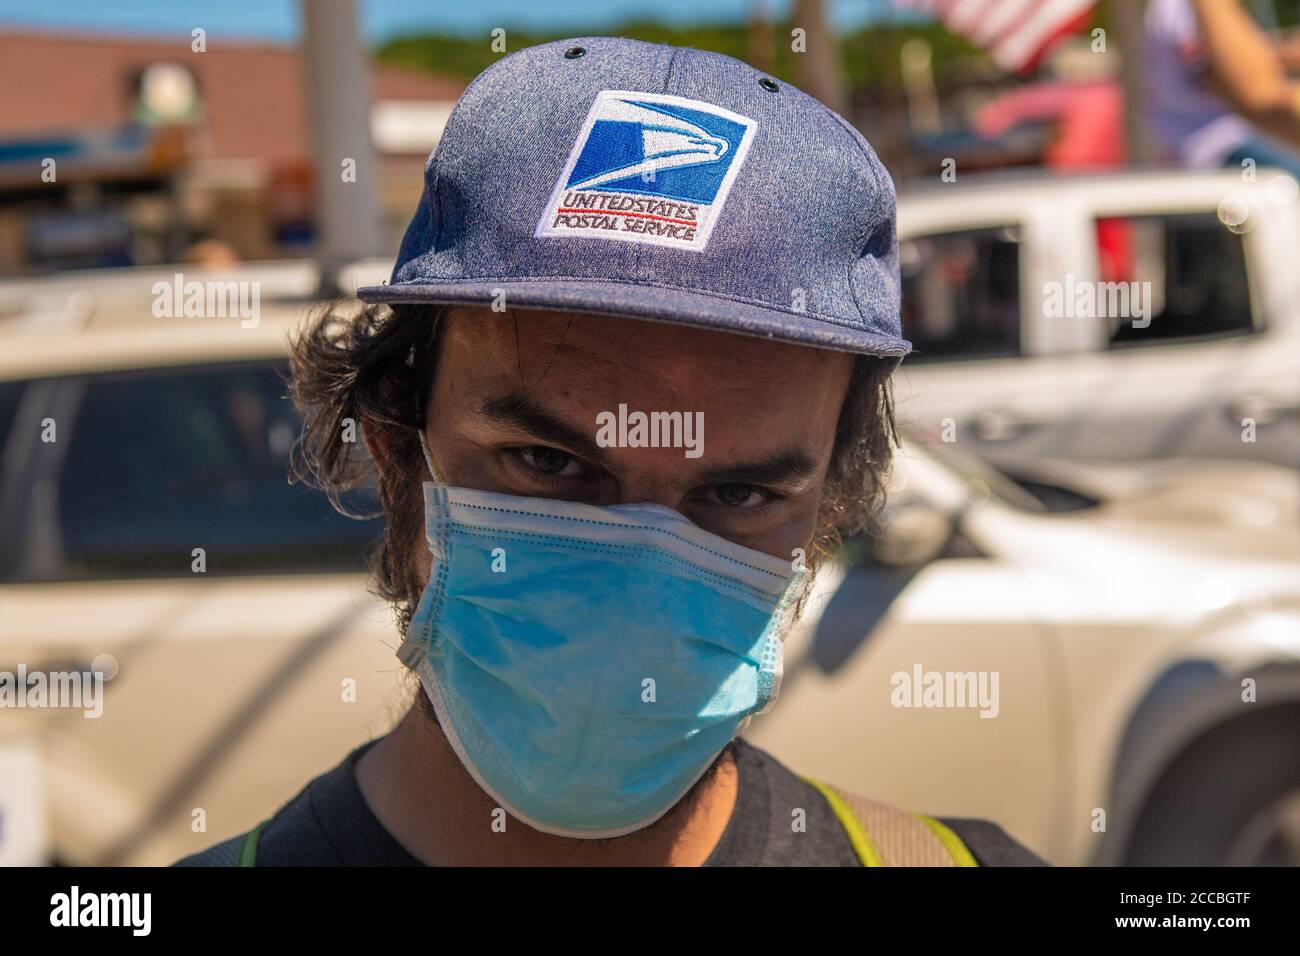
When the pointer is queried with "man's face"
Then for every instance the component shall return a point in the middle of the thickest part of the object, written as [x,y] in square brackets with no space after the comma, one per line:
[519,398]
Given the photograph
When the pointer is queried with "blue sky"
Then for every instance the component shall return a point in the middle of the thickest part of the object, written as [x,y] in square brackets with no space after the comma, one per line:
[277,20]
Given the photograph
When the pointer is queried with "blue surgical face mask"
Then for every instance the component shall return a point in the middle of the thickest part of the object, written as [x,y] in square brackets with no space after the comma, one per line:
[588,664]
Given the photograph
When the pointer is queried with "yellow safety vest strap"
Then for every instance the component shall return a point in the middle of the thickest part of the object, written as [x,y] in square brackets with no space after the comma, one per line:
[882,835]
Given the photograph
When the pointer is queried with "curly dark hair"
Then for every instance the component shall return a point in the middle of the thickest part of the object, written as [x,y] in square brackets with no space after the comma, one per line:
[358,366]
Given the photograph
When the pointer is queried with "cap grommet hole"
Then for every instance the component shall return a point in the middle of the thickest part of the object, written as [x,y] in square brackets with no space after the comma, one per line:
[575,52]
[768,84]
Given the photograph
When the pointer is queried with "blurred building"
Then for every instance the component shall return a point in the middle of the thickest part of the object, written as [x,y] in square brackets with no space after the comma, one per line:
[143,151]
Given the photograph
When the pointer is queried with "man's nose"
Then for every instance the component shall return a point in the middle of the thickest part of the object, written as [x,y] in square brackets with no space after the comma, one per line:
[653,476]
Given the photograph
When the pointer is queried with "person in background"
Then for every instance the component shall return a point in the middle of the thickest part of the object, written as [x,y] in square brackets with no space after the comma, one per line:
[1218,91]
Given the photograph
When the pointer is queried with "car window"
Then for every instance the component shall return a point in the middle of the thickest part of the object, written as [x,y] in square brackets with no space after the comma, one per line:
[1184,275]
[161,462]
[961,294]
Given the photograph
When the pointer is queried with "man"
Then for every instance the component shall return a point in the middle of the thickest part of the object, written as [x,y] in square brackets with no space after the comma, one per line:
[632,383]
[1219,92]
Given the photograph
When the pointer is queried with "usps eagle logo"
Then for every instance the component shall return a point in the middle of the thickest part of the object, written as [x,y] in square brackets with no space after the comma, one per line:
[648,168]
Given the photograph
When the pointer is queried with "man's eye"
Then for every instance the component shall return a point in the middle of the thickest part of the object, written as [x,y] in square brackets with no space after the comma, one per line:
[550,461]
[740,496]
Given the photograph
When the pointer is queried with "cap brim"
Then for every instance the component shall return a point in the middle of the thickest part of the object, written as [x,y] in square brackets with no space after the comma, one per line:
[631,300]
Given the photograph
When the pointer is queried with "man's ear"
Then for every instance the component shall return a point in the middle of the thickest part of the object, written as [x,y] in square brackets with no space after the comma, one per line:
[383,446]
[380,453]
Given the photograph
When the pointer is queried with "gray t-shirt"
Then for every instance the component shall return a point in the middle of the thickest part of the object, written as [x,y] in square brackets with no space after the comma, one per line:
[329,824]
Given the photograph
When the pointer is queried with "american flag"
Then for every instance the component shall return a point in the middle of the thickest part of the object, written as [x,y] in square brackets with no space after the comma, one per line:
[1017,33]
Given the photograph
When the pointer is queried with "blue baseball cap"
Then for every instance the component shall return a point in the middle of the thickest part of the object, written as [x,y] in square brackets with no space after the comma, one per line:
[609,176]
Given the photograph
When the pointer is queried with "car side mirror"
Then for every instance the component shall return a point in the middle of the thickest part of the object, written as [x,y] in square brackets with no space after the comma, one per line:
[910,533]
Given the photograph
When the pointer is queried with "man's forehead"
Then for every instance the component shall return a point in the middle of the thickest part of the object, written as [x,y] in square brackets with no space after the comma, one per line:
[748,411]
[628,354]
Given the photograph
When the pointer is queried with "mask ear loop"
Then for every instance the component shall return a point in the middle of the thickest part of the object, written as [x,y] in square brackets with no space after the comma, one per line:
[428,460]
[421,392]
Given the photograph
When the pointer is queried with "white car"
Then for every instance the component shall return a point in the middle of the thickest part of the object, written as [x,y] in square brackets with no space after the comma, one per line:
[1191,347]
[1127,639]
[224,689]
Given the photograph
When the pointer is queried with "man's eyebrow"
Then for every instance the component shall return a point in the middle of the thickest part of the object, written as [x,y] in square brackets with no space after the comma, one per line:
[774,469]
[520,411]
[517,409]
